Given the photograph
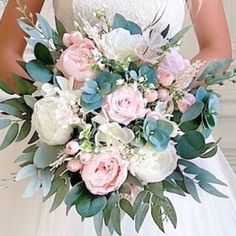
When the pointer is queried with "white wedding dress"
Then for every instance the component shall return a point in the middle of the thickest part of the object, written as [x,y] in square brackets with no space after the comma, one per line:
[213,217]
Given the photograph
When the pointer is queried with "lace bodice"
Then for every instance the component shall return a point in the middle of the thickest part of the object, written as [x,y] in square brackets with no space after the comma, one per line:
[142,12]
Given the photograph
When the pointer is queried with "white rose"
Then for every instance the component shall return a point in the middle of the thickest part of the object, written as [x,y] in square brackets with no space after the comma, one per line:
[47,119]
[152,166]
[112,133]
[119,44]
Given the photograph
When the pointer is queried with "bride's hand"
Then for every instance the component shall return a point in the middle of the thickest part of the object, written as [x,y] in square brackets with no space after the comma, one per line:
[12,42]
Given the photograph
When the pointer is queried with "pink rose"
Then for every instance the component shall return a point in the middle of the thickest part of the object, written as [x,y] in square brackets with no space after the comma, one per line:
[163,94]
[151,95]
[186,102]
[125,105]
[72,38]
[153,114]
[85,157]
[173,63]
[104,173]
[72,147]
[77,61]
[74,165]
[165,78]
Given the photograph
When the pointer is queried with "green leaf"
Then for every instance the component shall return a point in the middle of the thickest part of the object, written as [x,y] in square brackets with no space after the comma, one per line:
[157,216]
[172,187]
[45,27]
[212,190]
[176,38]
[191,145]
[90,205]
[33,187]
[205,176]
[190,186]
[169,211]
[121,22]
[6,88]
[156,188]
[38,71]
[10,136]
[140,216]
[24,131]
[133,180]
[193,112]
[31,31]
[26,157]
[46,178]
[139,199]
[45,155]
[60,194]
[4,123]
[25,172]
[11,110]
[116,219]
[24,86]
[127,207]
[34,138]
[210,153]
[43,54]
[74,194]
[98,223]
[31,148]
[113,199]
[30,101]
[149,73]
[214,67]
[60,27]
[125,189]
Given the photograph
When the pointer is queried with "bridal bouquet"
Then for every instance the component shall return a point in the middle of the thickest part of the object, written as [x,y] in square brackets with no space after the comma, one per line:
[113,118]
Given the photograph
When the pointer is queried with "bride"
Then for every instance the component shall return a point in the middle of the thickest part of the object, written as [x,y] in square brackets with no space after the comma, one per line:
[214,216]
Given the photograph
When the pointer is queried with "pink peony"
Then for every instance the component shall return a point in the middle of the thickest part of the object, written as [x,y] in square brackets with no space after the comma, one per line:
[185,103]
[172,64]
[73,38]
[125,105]
[163,94]
[77,61]
[151,95]
[165,79]
[72,147]
[104,173]
[74,165]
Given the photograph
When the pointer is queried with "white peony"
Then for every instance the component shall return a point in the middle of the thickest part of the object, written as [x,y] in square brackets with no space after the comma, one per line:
[152,166]
[119,44]
[51,118]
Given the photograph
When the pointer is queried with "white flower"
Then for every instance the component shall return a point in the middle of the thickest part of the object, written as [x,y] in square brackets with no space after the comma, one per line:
[152,166]
[51,120]
[113,132]
[119,44]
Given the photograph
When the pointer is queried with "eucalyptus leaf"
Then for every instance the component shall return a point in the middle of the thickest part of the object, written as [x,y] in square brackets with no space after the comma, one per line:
[5,87]
[25,172]
[10,110]
[127,207]
[30,101]
[25,157]
[4,123]
[33,187]
[156,213]
[212,190]
[24,131]
[45,155]
[43,54]
[98,223]
[190,186]
[193,112]
[116,219]
[46,176]
[139,200]
[45,27]
[140,216]
[10,136]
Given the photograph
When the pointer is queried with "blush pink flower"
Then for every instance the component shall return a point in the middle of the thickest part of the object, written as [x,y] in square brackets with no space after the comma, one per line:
[125,105]
[151,95]
[72,147]
[163,94]
[72,38]
[165,78]
[77,61]
[104,173]
[173,63]
[74,165]
[185,103]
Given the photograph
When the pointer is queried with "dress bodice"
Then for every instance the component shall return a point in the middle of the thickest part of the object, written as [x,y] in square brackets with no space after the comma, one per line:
[170,12]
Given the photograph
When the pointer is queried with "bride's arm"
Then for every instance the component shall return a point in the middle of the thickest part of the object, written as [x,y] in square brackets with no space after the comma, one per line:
[12,42]
[211,29]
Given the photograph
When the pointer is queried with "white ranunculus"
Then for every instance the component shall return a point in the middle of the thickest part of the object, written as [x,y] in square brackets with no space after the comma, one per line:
[119,44]
[152,166]
[51,118]
[113,132]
